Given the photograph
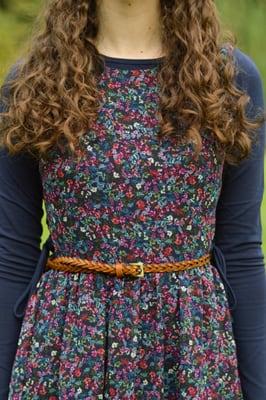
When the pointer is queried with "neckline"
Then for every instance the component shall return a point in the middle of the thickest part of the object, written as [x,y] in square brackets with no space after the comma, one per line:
[130,62]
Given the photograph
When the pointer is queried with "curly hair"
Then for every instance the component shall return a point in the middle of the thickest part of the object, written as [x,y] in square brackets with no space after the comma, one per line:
[54,95]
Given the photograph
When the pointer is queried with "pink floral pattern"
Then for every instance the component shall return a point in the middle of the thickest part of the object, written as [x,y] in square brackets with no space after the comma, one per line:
[130,197]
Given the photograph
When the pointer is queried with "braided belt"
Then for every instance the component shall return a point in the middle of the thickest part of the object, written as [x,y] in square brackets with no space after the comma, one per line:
[136,269]
[217,260]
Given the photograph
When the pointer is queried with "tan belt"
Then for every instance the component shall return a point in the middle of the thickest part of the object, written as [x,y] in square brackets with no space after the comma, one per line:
[136,269]
[218,261]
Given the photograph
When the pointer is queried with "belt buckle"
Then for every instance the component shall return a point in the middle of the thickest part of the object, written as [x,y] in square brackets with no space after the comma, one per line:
[141,266]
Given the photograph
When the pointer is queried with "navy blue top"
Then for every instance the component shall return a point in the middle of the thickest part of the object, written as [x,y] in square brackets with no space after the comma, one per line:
[237,247]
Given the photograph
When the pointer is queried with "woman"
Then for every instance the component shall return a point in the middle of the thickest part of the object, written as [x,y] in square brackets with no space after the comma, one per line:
[144,135]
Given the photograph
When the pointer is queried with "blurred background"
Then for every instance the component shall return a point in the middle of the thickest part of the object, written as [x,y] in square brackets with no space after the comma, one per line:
[245,18]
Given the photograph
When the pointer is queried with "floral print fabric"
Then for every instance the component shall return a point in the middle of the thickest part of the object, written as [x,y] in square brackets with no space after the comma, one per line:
[92,336]
[131,197]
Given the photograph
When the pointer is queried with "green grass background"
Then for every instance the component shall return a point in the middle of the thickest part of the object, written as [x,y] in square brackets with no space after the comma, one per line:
[245,18]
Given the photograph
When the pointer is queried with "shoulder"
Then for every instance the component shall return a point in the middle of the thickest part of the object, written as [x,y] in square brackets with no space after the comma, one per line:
[11,74]
[248,75]
[21,167]
[248,79]
[245,62]
[13,70]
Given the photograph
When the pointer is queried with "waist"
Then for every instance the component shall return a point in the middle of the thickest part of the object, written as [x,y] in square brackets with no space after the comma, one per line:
[120,269]
[44,263]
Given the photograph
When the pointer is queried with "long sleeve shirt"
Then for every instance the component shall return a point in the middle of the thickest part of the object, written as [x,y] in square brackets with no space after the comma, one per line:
[237,247]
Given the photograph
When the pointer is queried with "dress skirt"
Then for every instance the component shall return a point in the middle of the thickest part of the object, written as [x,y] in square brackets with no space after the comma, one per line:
[96,336]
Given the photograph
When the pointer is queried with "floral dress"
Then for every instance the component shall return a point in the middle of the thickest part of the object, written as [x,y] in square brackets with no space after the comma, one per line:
[130,197]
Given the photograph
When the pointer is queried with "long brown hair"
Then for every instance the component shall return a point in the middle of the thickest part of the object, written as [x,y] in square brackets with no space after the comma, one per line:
[54,94]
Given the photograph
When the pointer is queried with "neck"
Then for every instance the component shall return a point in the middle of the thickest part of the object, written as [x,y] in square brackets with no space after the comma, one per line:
[129,28]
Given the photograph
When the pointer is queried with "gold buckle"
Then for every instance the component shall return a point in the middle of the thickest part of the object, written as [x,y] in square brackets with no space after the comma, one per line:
[140,264]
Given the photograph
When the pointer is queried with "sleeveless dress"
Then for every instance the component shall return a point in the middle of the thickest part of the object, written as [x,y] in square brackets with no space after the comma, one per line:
[131,197]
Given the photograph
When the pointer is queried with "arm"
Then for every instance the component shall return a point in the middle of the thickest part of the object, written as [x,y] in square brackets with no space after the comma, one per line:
[20,234]
[239,235]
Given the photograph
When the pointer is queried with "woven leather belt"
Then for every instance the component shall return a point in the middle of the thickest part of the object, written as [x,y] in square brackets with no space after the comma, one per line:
[136,269]
[217,259]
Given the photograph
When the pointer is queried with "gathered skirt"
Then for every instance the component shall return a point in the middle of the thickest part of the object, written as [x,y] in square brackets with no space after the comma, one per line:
[96,336]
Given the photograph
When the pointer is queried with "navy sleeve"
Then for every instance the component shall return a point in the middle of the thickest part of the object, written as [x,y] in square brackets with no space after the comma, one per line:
[20,236]
[239,236]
